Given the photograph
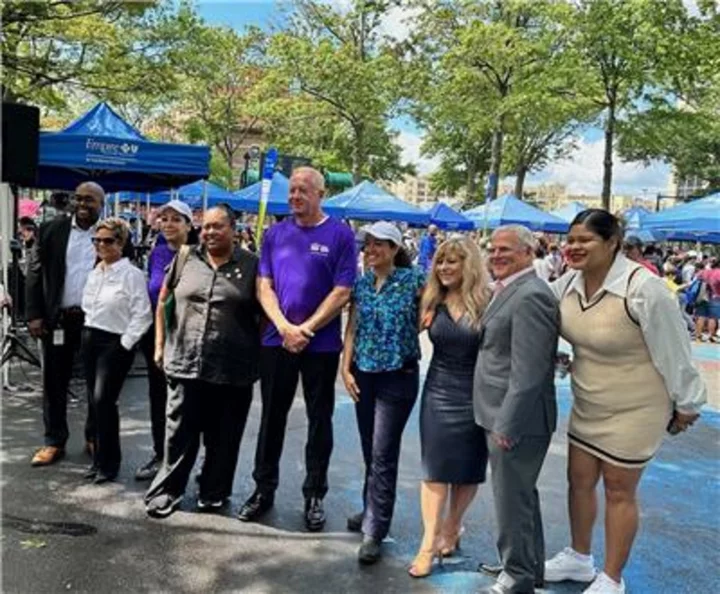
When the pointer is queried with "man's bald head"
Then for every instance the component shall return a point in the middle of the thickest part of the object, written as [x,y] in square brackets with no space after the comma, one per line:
[313,175]
[307,186]
[88,202]
[91,188]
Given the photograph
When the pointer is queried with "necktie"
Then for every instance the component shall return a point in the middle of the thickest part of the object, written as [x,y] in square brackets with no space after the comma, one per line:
[497,288]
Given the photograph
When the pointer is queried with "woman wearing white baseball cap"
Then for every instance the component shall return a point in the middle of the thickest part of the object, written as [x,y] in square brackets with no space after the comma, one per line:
[380,372]
[175,227]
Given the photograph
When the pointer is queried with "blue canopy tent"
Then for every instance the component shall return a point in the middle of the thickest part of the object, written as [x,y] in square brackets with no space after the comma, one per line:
[569,211]
[645,235]
[697,217]
[102,147]
[447,218]
[368,202]
[698,220]
[155,199]
[508,210]
[635,216]
[248,199]
[193,193]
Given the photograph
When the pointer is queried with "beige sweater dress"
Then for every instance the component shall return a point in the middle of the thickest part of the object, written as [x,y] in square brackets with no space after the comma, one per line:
[621,406]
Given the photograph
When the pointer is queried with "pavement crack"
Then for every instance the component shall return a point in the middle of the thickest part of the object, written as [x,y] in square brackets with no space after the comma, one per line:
[33,526]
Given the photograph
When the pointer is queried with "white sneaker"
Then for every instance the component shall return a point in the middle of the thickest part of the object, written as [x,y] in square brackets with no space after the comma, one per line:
[604,584]
[570,565]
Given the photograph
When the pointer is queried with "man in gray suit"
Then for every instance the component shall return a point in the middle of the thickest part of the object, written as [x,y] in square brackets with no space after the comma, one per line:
[514,397]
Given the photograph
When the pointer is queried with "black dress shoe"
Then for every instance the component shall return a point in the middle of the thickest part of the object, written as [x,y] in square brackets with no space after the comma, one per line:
[495,570]
[91,472]
[490,569]
[148,471]
[162,506]
[314,514]
[211,505]
[256,506]
[354,523]
[103,478]
[498,588]
[370,551]
[495,589]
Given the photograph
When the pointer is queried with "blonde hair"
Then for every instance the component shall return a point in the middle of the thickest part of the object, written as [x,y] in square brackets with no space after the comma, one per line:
[117,226]
[475,289]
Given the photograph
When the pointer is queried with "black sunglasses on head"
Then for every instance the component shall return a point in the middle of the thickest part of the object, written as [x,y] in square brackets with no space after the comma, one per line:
[103,240]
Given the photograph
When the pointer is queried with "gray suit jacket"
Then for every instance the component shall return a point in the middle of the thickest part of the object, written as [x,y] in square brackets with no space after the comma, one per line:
[514,387]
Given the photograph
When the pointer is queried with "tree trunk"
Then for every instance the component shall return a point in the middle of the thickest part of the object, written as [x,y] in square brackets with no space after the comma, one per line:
[520,181]
[358,157]
[495,160]
[608,160]
[471,181]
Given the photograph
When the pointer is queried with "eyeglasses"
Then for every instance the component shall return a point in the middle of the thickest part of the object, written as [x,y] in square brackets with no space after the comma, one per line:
[84,199]
[103,240]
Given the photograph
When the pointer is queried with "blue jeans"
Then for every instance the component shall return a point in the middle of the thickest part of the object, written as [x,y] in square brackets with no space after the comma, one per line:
[386,401]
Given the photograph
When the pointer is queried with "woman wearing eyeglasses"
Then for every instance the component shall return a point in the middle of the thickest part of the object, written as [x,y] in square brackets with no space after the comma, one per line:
[117,314]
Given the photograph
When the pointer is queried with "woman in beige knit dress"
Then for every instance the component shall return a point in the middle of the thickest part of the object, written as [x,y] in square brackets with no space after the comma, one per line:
[632,379]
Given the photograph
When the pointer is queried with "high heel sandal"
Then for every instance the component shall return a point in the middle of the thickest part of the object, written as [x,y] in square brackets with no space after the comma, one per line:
[422,564]
[451,545]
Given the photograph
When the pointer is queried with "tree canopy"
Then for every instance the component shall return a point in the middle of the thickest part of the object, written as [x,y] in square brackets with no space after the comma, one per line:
[496,87]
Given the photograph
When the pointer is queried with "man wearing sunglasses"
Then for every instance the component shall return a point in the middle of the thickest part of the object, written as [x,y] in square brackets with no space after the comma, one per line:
[58,268]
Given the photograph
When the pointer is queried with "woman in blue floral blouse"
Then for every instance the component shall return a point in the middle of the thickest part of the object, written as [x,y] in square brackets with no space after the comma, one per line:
[380,371]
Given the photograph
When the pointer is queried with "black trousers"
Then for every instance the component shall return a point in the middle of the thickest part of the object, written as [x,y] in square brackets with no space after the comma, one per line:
[157,391]
[107,364]
[57,373]
[386,401]
[218,413]
[279,373]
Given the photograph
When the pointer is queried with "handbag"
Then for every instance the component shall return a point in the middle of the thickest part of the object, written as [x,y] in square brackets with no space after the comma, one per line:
[170,304]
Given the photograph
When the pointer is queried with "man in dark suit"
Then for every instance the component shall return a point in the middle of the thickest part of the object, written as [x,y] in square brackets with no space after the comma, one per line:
[514,397]
[59,264]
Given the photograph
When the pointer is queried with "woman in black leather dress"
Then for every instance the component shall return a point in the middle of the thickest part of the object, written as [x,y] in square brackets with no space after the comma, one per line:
[454,452]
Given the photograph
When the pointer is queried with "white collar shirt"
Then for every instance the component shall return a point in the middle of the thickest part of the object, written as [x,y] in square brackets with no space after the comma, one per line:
[657,311]
[116,300]
[506,282]
[80,258]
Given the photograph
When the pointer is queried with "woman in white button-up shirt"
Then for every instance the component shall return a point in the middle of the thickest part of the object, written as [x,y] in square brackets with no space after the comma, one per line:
[117,314]
[633,380]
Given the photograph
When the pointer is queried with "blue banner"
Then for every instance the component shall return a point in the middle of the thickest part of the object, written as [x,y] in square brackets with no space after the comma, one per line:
[271,158]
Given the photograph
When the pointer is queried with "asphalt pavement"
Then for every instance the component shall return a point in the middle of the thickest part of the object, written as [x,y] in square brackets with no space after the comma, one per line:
[60,534]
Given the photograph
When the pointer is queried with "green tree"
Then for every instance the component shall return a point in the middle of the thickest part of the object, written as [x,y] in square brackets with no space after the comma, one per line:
[456,129]
[625,45]
[336,65]
[536,137]
[687,140]
[464,156]
[495,55]
[219,94]
[220,173]
[52,48]
[681,124]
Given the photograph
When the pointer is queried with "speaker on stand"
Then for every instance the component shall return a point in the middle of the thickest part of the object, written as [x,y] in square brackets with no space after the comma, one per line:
[20,148]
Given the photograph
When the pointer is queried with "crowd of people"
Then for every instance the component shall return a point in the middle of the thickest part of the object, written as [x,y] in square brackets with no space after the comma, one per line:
[212,318]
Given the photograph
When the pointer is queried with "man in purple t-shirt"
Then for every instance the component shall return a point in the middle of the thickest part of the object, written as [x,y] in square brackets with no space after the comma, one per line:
[307,269]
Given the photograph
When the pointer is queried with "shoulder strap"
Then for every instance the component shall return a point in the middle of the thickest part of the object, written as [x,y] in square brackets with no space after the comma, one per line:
[567,286]
[632,275]
[182,258]
[633,319]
